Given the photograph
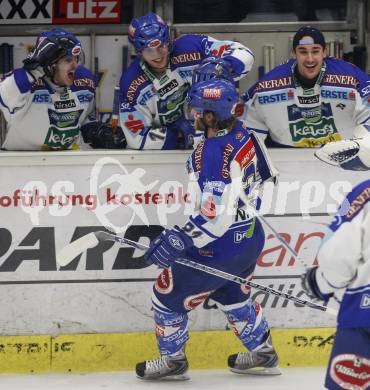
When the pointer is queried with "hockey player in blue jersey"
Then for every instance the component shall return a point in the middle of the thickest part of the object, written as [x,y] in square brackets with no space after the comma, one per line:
[154,87]
[344,273]
[50,101]
[220,233]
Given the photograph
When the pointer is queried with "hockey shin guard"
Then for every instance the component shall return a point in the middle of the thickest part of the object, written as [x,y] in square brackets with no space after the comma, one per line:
[248,323]
[171,331]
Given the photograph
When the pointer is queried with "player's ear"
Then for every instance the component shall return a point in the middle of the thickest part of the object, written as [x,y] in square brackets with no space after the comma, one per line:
[325,52]
[292,54]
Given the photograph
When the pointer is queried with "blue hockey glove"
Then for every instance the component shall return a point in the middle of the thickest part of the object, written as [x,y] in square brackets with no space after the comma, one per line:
[167,247]
[310,287]
[186,131]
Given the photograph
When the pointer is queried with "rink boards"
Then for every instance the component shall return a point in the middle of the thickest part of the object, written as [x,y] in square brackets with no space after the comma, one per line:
[116,352]
[50,199]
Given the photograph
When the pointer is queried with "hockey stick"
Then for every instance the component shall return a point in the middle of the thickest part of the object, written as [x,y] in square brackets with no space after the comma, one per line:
[72,250]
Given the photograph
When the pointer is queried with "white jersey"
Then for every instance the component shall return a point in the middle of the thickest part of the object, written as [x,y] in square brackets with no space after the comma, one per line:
[330,111]
[40,118]
[344,258]
[150,105]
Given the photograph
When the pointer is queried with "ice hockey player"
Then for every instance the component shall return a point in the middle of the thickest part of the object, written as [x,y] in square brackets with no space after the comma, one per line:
[344,273]
[50,101]
[154,87]
[314,100]
[219,233]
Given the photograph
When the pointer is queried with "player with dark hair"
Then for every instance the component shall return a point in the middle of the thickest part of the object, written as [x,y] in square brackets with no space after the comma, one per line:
[314,100]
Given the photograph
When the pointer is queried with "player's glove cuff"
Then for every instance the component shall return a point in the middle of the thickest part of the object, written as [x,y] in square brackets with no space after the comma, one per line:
[311,287]
[168,247]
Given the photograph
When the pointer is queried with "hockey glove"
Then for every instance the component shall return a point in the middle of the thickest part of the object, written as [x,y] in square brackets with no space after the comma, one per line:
[167,247]
[310,286]
[46,52]
[186,131]
[101,135]
[346,153]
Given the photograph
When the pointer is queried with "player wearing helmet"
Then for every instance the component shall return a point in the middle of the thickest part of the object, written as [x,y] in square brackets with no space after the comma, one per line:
[51,100]
[220,233]
[154,87]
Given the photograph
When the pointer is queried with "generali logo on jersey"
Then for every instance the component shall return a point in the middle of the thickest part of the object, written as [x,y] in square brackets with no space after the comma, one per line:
[60,11]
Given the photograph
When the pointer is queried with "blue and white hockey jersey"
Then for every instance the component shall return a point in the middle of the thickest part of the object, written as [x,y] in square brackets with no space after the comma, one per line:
[344,258]
[40,118]
[293,116]
[222,171]
[149,105]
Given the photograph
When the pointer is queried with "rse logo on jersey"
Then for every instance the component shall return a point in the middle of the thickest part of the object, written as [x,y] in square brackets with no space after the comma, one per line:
[41,98]
[85,97]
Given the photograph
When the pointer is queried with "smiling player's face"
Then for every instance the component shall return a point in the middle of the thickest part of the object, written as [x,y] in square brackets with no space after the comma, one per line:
[309,59]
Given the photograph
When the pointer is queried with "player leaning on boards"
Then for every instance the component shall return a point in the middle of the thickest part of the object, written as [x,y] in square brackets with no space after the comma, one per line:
[312,100]
[154,87]
[220,234]
[344,272]
[51,100]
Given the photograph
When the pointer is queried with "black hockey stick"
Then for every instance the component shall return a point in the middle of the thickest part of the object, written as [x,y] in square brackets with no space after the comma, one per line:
[69,252]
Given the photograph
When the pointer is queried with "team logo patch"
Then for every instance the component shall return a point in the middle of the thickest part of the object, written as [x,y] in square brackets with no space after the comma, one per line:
[351,372]
[134,124]
[164,282]
[193,301]
[212,93]
[154,43]
[175,242]
[76,51]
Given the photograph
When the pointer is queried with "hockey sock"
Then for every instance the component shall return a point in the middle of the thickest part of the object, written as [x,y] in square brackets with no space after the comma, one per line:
[248,323]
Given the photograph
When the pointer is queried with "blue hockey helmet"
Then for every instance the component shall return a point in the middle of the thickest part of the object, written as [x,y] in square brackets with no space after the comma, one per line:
[68,43]
[213,67]
[216,95]
[148,31]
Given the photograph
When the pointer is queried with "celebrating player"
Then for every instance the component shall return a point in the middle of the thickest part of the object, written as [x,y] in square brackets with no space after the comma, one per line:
[344,268]
[154,87]
[314,100]
[219,233]
[51,100]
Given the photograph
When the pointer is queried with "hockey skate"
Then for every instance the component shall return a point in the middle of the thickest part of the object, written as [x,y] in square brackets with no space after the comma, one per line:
[264,361]
[164,368]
